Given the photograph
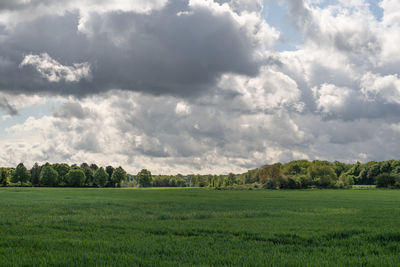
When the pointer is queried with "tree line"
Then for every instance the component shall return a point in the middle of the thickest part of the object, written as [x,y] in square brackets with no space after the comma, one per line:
[299,174]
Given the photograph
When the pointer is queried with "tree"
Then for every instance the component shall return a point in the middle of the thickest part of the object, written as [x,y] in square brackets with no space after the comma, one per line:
[385,180]
[109,171]
[144,178]
[3,177]
[230,179]
[94,167]
[35,174]
[62,169]
[270,172]
[76,177]
[89,175]
[118,176]
[21,174]
[48,176]
[322,175]
[100,177]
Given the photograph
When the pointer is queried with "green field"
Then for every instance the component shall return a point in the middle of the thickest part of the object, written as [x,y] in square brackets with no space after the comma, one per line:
[159,227]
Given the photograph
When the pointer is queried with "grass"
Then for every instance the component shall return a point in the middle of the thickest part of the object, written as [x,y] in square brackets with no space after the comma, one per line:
[180,227]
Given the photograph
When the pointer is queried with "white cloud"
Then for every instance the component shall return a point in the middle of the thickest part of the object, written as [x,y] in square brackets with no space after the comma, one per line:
[182,108]
[387,87]
[53,71]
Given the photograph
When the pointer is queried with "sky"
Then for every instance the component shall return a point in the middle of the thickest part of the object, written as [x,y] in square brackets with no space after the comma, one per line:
[198,86]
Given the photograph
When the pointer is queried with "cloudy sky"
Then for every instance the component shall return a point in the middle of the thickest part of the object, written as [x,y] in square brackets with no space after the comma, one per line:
[198,86]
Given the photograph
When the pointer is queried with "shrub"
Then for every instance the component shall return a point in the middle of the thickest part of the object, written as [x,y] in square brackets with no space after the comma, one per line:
[385,180]
[269,184]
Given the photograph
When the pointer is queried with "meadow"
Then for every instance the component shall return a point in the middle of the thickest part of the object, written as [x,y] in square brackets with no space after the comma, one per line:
[193,226]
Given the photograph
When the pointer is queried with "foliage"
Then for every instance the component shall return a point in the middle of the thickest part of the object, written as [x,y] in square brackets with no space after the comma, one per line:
[109,171]
[271,172]
[20,175]
[48,176]
[3,177]
[144,178]
[386,180]
[35,174]
[118,176]
[100,177]
[76,177]
[62,169]
[88,175]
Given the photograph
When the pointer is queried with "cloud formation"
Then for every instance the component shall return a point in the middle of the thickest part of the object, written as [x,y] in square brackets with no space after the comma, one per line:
[197,86]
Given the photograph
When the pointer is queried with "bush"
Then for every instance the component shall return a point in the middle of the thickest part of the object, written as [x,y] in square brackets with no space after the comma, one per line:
[386,180]
[269,184]
[293,183]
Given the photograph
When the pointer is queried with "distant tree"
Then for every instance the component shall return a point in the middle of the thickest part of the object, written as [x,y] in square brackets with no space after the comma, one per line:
[144,178]
[109,171]
[94,167]
[100,177]
[89,175]
[62,169]
[270,172]
[230,179]
[322,175]
[386,180]
[118,176]
[48,176]
[21,174]
[84,165]
[75,177]
[35,174]
[3,177]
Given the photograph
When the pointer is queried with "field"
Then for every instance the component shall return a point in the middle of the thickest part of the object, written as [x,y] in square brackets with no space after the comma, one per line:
[161,227]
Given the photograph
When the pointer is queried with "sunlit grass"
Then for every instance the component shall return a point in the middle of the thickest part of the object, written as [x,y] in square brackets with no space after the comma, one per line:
[158,227]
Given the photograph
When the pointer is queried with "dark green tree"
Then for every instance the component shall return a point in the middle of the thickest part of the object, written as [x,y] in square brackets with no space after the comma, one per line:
[118,176]
[109,171]
[62,169]
[21,174]
[3,177]
[100,177]
[230,179]
[35,174]
[48,176]
[89,175]
[76,177]
[144,178]
[94,167]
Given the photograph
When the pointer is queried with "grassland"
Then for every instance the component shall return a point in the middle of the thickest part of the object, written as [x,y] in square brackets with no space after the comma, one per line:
[161,227]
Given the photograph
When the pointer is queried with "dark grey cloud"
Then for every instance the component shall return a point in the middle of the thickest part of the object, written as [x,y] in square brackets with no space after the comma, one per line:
[177,50]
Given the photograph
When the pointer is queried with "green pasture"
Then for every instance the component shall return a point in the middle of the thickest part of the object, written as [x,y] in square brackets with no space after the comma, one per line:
[183,227]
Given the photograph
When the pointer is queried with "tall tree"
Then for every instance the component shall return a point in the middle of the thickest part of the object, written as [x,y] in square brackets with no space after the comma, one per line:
[118,176]
[76,177]
[35,174]
[48,176]
[100,177]
[270,172]
[109,171]
[144,178]
[89,175]
[3,177]
[94,167]
[62,169]
[21,174]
